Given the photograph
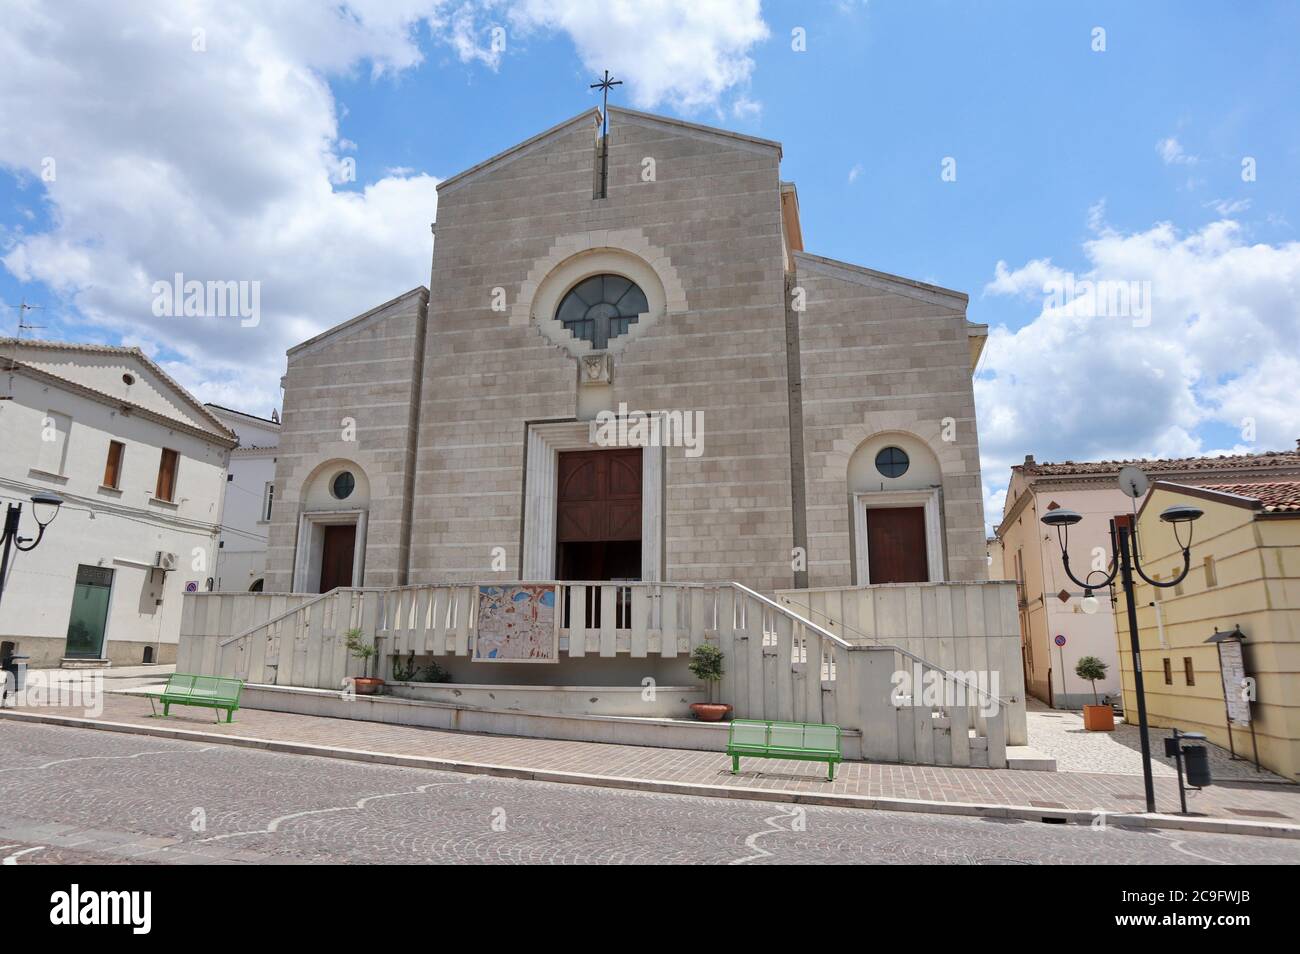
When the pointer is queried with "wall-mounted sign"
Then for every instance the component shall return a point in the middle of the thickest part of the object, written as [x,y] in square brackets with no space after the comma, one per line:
[191,586]
[1232,669]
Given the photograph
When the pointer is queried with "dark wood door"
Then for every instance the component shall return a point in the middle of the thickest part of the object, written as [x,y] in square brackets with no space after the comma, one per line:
[599,496]
[896,545]
[336,556]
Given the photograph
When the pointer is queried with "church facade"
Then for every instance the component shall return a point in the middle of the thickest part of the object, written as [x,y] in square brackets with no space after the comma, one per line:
[626,367]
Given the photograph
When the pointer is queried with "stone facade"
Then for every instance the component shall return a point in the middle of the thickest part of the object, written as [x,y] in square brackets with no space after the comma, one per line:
[786,394]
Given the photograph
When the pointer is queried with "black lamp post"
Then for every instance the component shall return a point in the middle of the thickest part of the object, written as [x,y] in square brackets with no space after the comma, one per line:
[1125,560]
[45,507]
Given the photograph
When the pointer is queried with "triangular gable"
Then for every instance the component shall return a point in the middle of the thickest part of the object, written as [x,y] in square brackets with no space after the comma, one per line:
[102,371]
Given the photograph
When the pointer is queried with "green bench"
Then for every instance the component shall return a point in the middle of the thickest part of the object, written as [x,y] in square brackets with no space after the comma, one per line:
[806,742]
[210,692]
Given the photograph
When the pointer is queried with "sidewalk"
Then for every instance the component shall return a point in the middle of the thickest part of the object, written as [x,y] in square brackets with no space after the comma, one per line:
[1238,806]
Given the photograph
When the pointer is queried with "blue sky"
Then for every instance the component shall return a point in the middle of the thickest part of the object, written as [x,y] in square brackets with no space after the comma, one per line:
[1120,165]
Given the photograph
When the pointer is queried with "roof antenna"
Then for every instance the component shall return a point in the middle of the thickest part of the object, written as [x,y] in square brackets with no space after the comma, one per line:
[22,307]
[604,86]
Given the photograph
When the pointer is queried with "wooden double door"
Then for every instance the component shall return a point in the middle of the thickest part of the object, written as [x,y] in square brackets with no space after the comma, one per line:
[598,515]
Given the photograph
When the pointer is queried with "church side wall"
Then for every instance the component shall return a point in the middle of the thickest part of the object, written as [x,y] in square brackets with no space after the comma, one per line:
[370,374]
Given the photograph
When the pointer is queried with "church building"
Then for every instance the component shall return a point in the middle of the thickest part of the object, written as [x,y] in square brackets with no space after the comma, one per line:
[626,367]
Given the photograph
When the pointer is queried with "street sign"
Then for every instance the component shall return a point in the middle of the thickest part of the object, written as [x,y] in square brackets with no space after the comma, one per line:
[192,586]
[1060,640]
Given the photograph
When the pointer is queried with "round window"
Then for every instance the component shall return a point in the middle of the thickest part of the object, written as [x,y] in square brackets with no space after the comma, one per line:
[892,462]
[343,485]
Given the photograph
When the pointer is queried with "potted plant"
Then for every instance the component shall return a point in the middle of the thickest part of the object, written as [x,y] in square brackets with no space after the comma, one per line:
[706,665]
[365,684]
[1096,717]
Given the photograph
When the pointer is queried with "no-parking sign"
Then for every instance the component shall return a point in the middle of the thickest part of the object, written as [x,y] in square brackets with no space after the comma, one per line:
[1060,639]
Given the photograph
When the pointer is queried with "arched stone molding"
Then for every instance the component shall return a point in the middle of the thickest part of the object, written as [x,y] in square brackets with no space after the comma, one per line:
[835,463]
[574,257]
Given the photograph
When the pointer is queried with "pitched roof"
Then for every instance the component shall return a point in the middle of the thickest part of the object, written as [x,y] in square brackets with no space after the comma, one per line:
[10,349]
[1277,496]
[1269,461]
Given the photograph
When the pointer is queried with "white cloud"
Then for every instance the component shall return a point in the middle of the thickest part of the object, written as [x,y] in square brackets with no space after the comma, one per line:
[1171,151]
[855,172]
[687,53]
[1222,345]
[217,164]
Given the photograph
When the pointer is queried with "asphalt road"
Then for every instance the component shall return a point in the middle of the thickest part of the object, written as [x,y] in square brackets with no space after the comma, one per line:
[72,796]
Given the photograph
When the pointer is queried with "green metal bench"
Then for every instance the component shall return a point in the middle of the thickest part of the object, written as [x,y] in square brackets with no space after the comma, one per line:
[806,742]
[210,692]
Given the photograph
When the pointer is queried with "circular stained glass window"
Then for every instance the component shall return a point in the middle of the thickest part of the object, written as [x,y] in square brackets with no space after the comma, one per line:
[892,462]
[343,485]
[600,308]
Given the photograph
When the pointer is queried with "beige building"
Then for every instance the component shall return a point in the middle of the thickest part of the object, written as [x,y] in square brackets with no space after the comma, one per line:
[1050,604]
[646,378]
[1245,576]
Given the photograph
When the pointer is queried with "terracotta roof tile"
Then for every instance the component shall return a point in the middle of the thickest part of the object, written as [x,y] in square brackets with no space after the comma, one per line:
[1168,467]
[1281,496]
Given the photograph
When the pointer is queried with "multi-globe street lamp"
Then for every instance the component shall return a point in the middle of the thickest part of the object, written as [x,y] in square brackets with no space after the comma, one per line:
[45,507]
[1125,560]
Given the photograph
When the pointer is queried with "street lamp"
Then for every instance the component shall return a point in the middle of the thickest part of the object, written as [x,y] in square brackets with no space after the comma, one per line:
[1124,560]
[45,507]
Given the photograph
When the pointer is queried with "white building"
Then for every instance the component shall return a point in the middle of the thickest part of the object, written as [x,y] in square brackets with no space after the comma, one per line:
[141,467]
[250,498]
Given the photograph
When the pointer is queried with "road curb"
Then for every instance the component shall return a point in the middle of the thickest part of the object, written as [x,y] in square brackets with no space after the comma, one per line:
[1020,812]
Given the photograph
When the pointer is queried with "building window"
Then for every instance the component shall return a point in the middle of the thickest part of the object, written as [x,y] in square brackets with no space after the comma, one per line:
[54,443]
[892,462]
[268,498]
[600,308]
[113,465]
[1188,673]
[1169,672]
[167,466]
[343,485]
[1211,577]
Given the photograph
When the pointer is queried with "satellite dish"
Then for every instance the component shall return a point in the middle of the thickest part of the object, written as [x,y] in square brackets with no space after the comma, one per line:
[1133,482]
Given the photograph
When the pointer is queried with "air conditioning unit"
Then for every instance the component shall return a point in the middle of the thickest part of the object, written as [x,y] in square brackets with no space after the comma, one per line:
[163,560]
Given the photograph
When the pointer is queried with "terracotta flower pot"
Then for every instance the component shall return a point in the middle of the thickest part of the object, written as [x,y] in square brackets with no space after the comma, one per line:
[1099,718]
[710,711]
[367,685]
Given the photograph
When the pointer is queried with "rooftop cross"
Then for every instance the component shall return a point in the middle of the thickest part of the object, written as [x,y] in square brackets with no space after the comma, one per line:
[604,85]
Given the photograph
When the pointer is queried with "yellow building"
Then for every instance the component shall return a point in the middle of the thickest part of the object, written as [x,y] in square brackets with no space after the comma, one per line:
[1245,573]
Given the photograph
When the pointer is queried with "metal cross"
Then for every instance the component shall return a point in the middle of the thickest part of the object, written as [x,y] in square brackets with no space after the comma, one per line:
[603,85]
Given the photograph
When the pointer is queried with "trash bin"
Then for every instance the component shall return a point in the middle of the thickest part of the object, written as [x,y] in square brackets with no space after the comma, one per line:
[1196,758]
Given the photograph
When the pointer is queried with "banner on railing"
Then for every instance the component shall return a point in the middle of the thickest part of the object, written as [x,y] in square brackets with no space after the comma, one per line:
[517,623]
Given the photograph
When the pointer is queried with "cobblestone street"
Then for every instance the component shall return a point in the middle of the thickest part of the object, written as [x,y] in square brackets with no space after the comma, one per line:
[76,795]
